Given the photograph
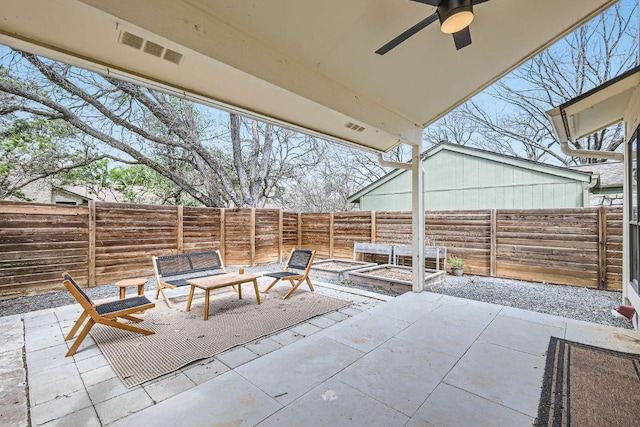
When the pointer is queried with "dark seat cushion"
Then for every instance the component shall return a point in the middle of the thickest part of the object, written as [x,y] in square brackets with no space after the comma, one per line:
[282,274]
[122,304]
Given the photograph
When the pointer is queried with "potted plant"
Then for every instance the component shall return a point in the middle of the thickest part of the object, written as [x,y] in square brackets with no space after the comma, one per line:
[457,265]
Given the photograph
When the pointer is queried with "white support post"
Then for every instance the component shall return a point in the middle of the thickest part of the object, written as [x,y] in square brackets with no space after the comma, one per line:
[417,197]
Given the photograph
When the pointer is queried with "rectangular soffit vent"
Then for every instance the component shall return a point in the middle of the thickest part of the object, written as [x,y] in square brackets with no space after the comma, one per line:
[131,40]
[153,49]
[172,56]
[354,127]
[150,47]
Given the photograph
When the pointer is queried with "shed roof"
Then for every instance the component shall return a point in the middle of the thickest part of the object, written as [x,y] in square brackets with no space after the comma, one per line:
[579,175]
[310,65]
[611,173]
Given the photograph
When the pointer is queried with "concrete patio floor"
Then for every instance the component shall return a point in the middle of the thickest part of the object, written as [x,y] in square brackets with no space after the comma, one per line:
[415,360]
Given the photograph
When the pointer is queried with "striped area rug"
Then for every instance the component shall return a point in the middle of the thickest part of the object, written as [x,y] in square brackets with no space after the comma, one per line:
[589,386]
[183,337]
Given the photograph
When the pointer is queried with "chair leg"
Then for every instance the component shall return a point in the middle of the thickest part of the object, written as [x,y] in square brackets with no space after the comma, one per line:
[294,286]
[132,318]
[124,326]
[157,292]
[76,326]
[81,337]
[309,283]
[270,286]
[166,298]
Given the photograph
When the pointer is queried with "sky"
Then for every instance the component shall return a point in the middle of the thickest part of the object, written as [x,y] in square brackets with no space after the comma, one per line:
[496,107]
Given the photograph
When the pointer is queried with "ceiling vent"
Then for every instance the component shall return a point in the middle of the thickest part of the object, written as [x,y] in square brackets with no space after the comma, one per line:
[131,40]
[172,56]
[150,47]
[153,49]
[354,127]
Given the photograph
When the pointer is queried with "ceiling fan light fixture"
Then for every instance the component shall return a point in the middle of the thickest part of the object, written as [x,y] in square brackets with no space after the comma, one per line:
[455,15]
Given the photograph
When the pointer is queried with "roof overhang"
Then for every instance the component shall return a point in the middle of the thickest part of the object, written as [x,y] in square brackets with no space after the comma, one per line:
[596,109]
[309,65]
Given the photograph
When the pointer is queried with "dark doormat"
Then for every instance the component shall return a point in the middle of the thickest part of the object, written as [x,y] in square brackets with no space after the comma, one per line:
[588,386]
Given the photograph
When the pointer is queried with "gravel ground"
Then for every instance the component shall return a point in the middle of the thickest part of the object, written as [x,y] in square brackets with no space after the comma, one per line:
[567,301]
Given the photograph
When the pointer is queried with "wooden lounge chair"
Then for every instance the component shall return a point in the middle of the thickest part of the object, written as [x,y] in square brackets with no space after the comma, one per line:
[299,260]
[105,314]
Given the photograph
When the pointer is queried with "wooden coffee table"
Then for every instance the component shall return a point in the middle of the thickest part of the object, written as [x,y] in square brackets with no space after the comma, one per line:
[221,281]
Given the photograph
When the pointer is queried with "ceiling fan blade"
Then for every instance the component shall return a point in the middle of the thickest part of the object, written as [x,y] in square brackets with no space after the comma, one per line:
[434,3]
[404,36]
[462,38]
[475,2]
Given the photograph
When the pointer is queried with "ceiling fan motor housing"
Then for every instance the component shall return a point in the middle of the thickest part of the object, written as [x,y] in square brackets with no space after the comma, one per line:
[449,8]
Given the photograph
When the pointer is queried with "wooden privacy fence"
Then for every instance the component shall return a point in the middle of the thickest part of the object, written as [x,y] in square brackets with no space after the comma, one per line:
[104,242]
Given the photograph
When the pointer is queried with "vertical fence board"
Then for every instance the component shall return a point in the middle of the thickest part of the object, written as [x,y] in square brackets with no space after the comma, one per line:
[494,244]
[91,261]
[614,248]
[280,234]
[373,227]
[223,225]
[180,229]
[602,248]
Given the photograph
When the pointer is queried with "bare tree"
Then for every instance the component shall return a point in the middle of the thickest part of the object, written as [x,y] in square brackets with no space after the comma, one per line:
[239,164]
[454,128]
[511,116]
[342,172]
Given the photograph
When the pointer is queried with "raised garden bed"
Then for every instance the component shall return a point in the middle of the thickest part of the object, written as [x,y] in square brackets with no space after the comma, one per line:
[393,278]
[336,269]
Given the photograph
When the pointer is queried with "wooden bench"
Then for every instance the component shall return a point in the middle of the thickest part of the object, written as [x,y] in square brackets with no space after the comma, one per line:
[433,252]
[373,249]
[173,271]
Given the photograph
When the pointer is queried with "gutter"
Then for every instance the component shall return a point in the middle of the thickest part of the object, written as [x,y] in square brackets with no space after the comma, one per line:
[592,154]
[563,131]
[390,164]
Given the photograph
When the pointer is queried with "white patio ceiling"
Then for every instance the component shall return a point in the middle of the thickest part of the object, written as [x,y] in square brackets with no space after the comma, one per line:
[307,63]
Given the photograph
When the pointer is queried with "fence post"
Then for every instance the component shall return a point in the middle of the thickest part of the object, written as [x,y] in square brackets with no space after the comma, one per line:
[494,243]
[373,226]
[222,227]
[252,236]
[299,229]
[91,273]
[280,234]
[602,247]
[331,234]
[180,230]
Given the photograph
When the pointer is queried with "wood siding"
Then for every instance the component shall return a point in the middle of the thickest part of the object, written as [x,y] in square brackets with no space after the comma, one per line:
[474,182]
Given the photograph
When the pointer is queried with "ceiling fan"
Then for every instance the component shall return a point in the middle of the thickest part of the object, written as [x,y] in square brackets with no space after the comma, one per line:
[455,17]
